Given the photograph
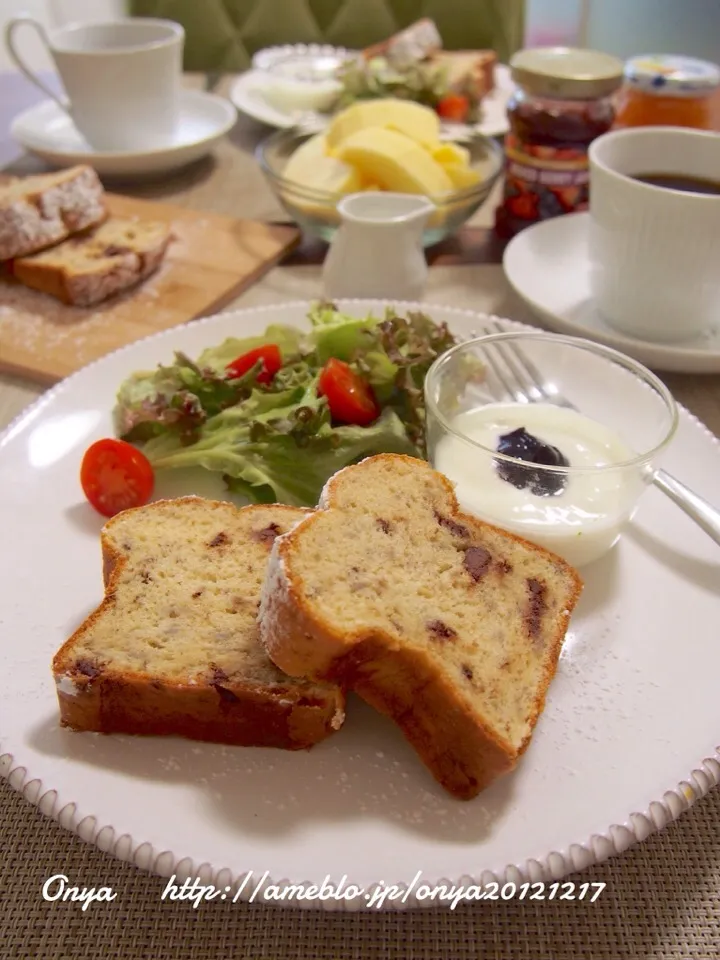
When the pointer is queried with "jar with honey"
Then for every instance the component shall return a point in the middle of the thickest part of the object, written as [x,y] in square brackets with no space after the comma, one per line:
[663,90]
[563,100]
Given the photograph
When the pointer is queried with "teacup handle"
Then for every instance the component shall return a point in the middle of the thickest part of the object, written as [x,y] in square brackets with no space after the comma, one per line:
[10,27]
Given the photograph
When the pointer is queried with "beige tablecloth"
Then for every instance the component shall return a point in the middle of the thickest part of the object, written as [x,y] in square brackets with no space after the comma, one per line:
[662,898]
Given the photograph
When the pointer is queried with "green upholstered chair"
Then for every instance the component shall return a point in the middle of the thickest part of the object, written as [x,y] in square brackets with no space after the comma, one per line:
[222,35]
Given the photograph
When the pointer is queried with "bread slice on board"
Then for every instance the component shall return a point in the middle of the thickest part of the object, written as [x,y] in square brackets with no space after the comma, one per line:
[173,648]
[91,267]
[447,625]
[38,211]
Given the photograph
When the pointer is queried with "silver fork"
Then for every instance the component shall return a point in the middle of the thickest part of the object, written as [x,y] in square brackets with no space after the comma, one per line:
[521,378]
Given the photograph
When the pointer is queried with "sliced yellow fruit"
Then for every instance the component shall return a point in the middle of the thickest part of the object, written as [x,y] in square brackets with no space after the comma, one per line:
[462,176]
[307,153]
[394,161]
[413,119]
[451,153]
[312,168]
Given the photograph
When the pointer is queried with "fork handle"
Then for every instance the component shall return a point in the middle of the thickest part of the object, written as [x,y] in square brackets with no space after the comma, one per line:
[704,514]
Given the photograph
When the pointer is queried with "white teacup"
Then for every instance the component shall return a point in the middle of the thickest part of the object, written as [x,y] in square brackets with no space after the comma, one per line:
[655,252]
[122,78]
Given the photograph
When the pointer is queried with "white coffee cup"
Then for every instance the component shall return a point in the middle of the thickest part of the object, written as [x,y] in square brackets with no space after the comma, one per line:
[654,251]
[122,78]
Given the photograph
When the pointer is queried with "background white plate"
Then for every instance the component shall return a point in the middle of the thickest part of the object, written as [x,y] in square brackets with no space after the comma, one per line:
[246,93]
[268,57]
[48,132]
[548,266]
[632,712]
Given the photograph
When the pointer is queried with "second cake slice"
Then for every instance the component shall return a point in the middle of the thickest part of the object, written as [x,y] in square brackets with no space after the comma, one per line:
[91,267]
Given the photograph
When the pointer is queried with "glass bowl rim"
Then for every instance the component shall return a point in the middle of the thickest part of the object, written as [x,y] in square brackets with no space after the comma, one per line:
[637,369]
[481,189]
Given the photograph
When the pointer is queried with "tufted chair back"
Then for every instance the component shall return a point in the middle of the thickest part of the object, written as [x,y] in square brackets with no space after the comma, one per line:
[222,35]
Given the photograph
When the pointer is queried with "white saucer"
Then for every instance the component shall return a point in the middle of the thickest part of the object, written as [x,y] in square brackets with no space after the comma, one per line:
[50,133]
[548,266]
[247,93]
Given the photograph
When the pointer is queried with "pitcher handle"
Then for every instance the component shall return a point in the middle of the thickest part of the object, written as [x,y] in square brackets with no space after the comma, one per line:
[10,27]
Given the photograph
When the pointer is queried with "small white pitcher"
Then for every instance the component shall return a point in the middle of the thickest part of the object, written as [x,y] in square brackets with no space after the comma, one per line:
[377,253]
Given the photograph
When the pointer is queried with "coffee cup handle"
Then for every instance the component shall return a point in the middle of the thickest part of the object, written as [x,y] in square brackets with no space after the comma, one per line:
[10,27]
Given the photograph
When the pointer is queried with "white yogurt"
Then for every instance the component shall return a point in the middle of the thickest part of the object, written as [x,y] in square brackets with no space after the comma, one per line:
[302,83]
[580,522]
[290,95]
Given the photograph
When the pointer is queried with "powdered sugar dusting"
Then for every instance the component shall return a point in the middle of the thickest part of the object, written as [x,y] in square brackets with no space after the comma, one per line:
[327,491]
[275,591]
[274,596]
[66,686]
[36,324]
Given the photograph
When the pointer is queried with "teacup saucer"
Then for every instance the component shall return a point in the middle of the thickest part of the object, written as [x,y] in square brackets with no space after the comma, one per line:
[548,266]
[47,131]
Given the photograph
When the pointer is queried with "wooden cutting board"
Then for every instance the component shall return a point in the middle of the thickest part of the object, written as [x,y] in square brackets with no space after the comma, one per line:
[212,259]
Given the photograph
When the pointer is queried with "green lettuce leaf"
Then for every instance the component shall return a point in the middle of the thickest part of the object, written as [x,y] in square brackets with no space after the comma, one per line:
[338,335]
[288,339]
[177,399]
[180,398]
[277,441]
[286,458]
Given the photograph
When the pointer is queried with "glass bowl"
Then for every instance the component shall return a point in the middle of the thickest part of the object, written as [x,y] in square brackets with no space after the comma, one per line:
[316,213]
[602,420]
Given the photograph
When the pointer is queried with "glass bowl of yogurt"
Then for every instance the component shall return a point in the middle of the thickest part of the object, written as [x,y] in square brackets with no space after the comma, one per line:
[564,467]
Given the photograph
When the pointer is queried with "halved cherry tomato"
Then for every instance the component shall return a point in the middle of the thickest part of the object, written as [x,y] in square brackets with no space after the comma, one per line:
[271,359]
[454,106]
[115,476]
[350,398]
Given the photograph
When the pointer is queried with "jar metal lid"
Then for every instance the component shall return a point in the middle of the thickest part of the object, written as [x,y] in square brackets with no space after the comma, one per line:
[567,72]
[670,76]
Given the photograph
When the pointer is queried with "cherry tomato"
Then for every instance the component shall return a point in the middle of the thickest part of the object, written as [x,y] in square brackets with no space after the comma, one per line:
[454,106]
[350,398]
[271,360]
[115,476]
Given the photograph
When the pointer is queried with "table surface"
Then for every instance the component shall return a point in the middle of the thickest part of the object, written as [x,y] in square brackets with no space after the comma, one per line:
[662,898]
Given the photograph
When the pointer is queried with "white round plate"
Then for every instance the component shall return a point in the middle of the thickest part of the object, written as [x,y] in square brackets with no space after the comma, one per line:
[246,93]
[548,266]
[269,57]
[48,131]
[627,741]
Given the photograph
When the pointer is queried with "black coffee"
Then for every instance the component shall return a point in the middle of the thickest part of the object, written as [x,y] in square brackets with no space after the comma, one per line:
[679,181]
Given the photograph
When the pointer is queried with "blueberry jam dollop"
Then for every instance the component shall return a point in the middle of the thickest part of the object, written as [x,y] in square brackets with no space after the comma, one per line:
[524,446]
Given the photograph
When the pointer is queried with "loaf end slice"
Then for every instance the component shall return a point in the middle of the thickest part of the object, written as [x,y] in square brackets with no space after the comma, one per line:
[449,626]
[38,211]
[173,649]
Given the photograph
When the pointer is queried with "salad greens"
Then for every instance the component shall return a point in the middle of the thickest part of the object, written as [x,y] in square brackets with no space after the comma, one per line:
[277,441]
[421,81]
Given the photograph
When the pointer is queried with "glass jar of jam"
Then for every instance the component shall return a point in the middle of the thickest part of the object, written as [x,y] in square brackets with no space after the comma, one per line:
[562,102]
[662,90]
